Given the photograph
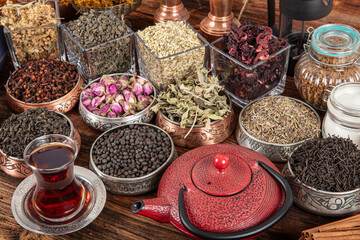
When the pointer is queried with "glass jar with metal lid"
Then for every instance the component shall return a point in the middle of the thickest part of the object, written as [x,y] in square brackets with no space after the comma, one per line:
[343,115]
[331,57]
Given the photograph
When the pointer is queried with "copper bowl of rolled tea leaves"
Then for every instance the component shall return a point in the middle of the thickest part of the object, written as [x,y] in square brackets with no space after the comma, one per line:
[324,175]
[48,82]
[274,126]
[195,112]
[19,130]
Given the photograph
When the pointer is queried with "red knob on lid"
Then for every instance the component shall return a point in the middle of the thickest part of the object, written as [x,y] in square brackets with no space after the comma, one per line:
[221,162]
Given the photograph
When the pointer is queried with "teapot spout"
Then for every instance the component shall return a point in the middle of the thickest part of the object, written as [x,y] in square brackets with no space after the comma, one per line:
[156,208]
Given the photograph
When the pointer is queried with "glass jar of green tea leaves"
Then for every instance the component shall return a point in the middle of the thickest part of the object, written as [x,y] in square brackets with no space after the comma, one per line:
[330,58]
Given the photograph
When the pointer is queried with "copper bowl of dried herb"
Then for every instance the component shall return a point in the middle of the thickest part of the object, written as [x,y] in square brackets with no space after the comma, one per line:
[274,126]
[196,112]
[49,83]
[20,129]
[324,175]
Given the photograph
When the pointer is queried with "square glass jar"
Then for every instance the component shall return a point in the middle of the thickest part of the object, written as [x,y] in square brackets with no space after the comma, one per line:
[27,44]
[246,83]
[167,70]
[113,56]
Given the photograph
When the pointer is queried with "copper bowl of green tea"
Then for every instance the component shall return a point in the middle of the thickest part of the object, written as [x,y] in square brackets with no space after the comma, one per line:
[324,175]
[196,112]
[20,129]
[274,126]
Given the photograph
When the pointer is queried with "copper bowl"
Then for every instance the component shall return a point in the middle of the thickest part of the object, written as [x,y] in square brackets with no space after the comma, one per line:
[16,167]
[200,135]
[63,104]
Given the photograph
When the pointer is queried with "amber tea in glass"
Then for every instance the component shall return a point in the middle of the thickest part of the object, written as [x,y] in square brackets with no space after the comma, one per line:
[58,195]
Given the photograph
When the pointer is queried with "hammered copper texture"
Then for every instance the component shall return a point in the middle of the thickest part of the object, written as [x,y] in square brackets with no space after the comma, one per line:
[19,169]
[62,105]
[200,135]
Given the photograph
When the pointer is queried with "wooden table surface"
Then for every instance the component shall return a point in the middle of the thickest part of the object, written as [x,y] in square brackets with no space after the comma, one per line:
[116,220]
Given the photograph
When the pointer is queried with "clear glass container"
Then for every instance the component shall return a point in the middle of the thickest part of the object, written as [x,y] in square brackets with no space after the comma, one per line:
[113,56]
[166,70]
[329,59]
[246,83]
[343,115]
[28,44]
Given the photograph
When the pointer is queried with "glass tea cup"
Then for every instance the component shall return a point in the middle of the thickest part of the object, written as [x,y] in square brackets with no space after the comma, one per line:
[58,195]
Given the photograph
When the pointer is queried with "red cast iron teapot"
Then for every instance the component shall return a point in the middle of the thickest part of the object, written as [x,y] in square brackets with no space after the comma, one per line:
[220,192]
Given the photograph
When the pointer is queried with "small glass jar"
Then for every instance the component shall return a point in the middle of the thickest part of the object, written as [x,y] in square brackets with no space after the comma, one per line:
[329,59]
[343,115]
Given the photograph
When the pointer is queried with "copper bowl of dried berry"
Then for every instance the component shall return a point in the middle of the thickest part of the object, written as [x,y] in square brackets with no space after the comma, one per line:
[130,159]
[274,126]
[20,129]
[49,83]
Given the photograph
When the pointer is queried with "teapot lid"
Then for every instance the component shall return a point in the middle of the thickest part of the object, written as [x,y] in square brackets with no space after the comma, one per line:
[221,174]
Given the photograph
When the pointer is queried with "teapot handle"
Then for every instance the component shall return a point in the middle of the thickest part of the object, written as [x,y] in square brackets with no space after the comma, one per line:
[248,232]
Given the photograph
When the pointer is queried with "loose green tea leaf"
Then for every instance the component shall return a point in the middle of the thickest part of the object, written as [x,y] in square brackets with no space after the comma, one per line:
[280,120]
[194,100]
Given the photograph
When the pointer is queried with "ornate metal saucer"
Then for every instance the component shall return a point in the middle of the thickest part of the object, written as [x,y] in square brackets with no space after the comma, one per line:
[95,201]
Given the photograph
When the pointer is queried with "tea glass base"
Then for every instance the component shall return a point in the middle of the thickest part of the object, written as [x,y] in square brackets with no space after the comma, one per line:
[27,217]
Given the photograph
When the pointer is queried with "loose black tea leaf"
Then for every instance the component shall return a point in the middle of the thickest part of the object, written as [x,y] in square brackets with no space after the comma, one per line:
[131,151]
[19,130]
[329,164]
[280,120]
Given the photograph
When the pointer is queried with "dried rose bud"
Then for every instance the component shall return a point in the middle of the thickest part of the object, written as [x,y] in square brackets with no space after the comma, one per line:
[140,80]
[147,89]
[130,98]
[141,106]
[137,89]
[119,98]
[111,89]
[145,99]
[86,101]
[116,108]
[104,109]
[96,112]
[88,93]
[98,89]
[111,114]
[96,101]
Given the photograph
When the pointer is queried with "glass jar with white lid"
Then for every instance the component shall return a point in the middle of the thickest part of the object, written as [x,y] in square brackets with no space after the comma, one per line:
[343,115]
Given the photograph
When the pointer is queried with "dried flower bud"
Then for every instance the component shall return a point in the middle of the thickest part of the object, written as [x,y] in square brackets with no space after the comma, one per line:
[116,108]
[137,89]
[98,89]
[96,101]
[147,89]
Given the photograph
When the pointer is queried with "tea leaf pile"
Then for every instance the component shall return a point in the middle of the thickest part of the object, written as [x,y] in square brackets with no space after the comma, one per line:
[194,101]
[19,130]
[330,164]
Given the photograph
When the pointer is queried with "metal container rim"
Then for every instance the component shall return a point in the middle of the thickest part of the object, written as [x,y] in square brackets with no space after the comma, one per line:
[135,179]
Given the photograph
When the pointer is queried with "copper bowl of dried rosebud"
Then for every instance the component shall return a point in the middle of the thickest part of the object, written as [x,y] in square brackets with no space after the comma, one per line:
[20,129]
[49,83]
[116,99]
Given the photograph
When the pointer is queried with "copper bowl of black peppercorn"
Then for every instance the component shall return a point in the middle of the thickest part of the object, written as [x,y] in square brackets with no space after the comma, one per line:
[130,159]
[49,83]
[20,129]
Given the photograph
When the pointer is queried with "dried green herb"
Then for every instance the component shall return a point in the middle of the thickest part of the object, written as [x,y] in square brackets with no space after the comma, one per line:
[329,164]
[166,39]
[107,49]
[32,44]
[280,120]
[194,100]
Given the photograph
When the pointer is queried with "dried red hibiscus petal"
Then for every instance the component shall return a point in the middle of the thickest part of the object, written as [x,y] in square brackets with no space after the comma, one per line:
[251,44]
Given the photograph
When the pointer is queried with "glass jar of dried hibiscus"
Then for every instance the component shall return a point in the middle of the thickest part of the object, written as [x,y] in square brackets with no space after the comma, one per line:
[331,57]
[250,62]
